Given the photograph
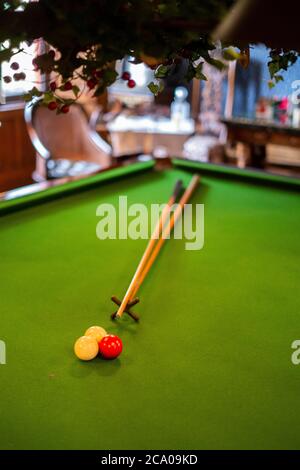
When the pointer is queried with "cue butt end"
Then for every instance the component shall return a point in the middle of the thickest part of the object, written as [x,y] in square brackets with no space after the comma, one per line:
[114,316]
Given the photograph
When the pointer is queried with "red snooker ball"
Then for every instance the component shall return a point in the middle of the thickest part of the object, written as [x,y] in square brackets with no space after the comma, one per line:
[110,347]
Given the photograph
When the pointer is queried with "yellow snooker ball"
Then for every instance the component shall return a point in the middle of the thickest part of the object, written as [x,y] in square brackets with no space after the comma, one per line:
[96,332]
[86,348]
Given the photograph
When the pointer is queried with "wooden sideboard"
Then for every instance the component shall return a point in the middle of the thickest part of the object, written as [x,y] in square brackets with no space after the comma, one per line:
[252,138]
[17,155]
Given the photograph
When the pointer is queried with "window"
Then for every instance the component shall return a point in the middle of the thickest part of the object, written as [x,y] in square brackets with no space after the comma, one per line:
[24,59]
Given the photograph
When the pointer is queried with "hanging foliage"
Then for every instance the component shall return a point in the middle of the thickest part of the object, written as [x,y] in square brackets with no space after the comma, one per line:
[86,38]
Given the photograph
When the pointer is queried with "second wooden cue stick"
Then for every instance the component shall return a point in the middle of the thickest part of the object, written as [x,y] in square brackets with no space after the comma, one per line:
[166,232]
[149,248]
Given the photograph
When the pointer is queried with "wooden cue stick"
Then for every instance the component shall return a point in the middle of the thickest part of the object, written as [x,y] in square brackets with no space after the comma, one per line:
[186,196]
[153,240]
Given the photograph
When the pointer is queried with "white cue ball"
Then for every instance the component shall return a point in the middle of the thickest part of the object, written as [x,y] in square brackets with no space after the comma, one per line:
[96,332]
[86,348]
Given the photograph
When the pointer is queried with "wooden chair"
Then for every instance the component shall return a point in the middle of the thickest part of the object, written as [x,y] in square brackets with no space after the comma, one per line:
[65,144]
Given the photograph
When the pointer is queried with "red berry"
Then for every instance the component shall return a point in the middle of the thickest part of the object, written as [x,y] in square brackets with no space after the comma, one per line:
[14,66]
[68,86]
[131,83]
[91,83]
[52,105]
[7,79]
[53,86]
[126,76]
[65,109]
[51,54]
[110,347]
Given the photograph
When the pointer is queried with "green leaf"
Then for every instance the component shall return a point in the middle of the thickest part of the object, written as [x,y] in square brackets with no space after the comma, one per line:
[69,102]
[273,68]
[35,92]
[109,76]
[5,55]
[278,78]
[76,90]
[27,97]
[230,54]
[218,64]
[198,72]
[48,97]
[190,73]
[153,88]
[156,88]
[201,76]
[162,71]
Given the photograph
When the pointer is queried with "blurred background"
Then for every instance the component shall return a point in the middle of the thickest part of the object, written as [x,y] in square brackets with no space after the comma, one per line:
[233,118]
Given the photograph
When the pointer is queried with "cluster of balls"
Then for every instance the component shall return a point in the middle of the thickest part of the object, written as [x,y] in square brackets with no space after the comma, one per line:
[97,341]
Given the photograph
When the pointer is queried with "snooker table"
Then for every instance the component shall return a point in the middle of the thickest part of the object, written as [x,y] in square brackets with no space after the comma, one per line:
[209,364]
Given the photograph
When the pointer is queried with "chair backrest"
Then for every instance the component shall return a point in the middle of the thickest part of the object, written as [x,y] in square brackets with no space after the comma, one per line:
[69,135]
